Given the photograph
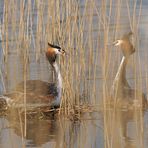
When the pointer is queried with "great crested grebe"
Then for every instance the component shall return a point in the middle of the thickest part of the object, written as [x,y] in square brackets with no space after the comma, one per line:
[121,89]
[37,91]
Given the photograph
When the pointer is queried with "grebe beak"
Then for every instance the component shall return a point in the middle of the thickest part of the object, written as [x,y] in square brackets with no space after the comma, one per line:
[63,52]
[117,42]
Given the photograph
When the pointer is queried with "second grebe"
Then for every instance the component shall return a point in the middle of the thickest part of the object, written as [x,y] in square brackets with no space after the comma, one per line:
[121,88]
[40,92]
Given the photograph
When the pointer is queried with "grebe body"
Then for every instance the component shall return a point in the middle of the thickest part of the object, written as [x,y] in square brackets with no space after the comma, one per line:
[121,90]
[37,91]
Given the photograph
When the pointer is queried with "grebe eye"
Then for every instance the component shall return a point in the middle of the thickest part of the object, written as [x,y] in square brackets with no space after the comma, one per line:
[59,50]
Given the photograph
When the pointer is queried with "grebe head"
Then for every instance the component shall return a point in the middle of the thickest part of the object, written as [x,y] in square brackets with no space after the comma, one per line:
[118,43]
[56,49]
[125,44]
[53,51]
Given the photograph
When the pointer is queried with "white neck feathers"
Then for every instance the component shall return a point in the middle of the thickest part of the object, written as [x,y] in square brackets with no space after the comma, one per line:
[120,68]
[120,81]
[58,82]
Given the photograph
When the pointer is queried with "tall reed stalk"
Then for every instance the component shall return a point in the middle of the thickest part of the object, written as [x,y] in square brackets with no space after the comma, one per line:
[84,29]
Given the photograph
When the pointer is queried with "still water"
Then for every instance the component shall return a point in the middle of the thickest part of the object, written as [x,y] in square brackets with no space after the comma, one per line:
[110,128]
[118,128]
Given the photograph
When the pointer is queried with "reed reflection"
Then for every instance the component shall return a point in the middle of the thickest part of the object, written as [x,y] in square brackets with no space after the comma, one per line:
[124,128]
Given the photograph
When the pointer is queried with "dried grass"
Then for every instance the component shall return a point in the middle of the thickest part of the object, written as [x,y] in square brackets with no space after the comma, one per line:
[84,32]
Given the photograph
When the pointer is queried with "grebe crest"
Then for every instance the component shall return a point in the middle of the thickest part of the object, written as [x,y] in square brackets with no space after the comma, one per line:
[53,51]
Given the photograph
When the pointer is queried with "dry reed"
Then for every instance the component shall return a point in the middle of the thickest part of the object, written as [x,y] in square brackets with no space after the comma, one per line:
[84,31]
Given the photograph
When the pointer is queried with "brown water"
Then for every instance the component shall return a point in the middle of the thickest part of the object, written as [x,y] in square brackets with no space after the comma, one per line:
[120,129]
[111,128]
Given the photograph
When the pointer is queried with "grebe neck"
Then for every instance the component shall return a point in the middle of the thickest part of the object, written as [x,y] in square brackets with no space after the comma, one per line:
[121,73]
[120,82]
[58,84]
